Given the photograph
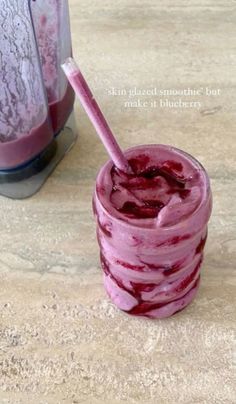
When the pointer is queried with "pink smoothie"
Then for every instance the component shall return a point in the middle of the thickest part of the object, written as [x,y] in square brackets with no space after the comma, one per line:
[152,228]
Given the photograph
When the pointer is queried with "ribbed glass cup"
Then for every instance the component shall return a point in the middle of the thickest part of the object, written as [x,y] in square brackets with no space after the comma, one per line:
[151,271]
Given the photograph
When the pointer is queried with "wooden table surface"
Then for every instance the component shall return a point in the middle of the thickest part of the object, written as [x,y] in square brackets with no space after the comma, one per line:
[61,340]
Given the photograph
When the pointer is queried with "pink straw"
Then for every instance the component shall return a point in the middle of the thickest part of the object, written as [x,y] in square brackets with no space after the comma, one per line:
[95,114]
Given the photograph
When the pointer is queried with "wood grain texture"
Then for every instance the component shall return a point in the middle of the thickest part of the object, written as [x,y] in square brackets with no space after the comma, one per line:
[61,340]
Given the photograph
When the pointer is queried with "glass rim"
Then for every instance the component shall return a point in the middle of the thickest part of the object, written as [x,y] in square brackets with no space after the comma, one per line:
[125,223]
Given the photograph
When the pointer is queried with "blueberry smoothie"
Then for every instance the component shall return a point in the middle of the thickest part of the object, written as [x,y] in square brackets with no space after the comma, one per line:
[152,228]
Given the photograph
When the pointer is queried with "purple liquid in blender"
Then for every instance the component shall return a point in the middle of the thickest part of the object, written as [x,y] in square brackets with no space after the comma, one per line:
[52,28]
[61,110]
[24,147]
[29,115]
[25,130]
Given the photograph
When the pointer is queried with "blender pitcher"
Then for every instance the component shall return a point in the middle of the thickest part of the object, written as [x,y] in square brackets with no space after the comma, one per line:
[36,99]
[52,27]
[25,129]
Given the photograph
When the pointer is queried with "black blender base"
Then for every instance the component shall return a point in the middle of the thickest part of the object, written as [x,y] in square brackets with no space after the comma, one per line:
[26,181]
